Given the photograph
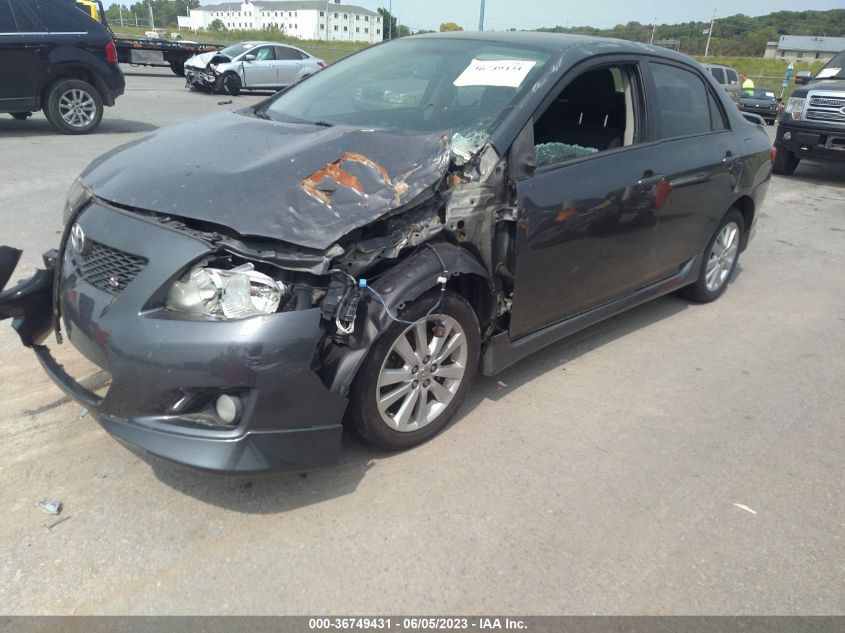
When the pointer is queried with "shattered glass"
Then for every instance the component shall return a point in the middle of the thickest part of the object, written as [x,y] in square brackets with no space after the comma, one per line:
[547,153]
[466,144]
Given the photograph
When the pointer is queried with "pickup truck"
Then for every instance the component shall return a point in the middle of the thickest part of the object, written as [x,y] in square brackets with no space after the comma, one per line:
[148,51]
[812,124]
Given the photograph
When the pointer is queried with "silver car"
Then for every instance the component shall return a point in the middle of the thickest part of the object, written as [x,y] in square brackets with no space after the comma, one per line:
[250,66]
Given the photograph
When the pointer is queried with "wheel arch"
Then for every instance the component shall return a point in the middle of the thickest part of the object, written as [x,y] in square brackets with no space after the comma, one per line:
[408,280]
[745,205]
[80,72]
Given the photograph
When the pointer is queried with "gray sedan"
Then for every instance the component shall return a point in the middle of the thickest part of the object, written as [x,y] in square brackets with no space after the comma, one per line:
[250,65]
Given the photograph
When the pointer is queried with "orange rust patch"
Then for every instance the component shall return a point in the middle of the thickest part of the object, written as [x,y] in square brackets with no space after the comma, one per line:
[342,177]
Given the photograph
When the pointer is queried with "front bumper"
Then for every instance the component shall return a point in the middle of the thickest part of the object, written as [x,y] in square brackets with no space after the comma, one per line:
[812,141]
[203,78]
[165,371]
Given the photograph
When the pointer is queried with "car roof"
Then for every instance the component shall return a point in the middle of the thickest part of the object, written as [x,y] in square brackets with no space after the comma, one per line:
[717,66]
[558,42]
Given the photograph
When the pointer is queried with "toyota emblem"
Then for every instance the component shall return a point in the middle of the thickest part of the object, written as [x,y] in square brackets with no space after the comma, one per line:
[78,240]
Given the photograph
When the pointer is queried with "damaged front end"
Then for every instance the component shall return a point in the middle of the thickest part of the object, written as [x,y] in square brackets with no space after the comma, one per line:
[202,73]
[232,336]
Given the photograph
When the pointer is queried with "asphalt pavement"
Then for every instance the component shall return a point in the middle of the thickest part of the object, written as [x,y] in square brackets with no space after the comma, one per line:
[676,459]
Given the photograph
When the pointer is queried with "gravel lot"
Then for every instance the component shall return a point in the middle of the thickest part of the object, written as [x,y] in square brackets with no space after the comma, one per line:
[677,459]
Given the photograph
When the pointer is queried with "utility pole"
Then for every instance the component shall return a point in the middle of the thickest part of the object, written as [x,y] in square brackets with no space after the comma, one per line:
[653,27]
[390,21]
[481,17]
[709,35]
[152,22]
[120,11]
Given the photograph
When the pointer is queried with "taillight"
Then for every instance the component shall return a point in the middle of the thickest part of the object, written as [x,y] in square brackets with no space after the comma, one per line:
[111,52]
[321,63]
[773,152]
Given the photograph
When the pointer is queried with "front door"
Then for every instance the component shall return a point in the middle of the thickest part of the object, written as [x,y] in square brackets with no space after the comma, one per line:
[586,216]
[261,71]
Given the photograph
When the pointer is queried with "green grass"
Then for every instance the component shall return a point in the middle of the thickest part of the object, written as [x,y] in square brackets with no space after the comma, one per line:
[329,51]
[766,73]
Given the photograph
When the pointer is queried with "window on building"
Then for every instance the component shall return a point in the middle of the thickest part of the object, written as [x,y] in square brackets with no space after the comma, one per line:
[366,18]
[378,31]
[357,17]
[335,27]
[357,29]
[366,30]
[322,27]
[335,15]
[345,16]
[322,14]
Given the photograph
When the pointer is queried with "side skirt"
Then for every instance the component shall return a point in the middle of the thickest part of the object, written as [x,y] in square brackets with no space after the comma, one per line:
[501,352]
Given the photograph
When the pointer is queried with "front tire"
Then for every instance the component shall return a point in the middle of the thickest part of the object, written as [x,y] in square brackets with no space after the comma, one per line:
[178,68]
[229,84]
[720,259]
[416,375]
[785,162]
[74,106]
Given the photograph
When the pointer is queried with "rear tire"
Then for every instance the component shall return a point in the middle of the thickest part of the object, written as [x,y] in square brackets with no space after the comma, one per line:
[73,106]
[21,116]
[785,162]
[407,390]
[229,84]
[720,259]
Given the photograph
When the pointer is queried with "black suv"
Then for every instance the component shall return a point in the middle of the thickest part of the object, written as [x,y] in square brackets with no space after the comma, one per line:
[57,59]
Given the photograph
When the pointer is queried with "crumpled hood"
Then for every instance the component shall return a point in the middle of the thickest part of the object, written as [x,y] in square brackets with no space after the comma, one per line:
[201,60]
[302,184]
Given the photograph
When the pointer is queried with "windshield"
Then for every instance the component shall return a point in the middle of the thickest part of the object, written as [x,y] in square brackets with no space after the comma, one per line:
[236,49]
[834,69]
[463,86]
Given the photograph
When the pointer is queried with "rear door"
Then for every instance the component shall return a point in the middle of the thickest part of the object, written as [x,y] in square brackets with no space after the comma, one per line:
[698,157]
[288,65]
[23,51]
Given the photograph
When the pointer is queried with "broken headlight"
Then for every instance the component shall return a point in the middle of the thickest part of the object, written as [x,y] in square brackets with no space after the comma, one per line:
[237,293]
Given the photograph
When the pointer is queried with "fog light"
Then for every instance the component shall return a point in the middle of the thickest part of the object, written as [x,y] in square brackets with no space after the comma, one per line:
[228,408]
[787,136]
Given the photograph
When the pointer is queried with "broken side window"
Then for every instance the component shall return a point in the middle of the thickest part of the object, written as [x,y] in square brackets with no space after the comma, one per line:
[592,113]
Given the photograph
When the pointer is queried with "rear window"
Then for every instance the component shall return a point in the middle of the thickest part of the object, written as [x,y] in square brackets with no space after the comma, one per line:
[63,17]
[732,78]
[683,105]
[285,52]
[719,74]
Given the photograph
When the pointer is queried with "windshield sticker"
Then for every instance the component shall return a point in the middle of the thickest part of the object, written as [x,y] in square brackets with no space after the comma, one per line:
[826,72]
[509,73]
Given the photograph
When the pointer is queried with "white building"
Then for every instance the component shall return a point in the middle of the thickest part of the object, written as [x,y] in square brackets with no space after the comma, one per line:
[307,19]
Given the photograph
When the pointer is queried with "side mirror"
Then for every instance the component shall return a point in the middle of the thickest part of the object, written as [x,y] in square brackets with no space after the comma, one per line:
[249,57]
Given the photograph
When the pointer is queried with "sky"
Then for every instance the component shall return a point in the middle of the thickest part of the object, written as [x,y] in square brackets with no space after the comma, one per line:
[528,14]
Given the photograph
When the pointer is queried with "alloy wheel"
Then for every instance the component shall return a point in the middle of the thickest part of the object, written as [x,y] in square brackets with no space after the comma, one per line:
[421,373]
[77,108]
[722,256]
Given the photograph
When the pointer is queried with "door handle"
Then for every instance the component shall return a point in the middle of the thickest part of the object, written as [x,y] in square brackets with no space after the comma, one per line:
[650,178]
[729,157]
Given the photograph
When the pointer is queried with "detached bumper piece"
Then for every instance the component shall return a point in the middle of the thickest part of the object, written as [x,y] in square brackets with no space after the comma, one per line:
[29,302]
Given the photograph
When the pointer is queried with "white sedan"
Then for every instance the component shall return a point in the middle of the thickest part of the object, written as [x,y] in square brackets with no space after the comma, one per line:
[250,65]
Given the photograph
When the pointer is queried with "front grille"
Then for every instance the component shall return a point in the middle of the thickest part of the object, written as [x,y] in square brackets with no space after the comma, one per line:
[827,102]
[824,115]
[109,269]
